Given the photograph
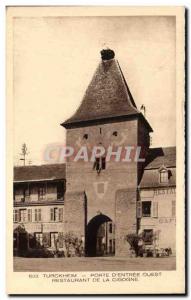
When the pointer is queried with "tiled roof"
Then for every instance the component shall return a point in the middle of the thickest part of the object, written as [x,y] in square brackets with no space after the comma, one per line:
[107,96]
[156,158]
[161,156]
[41,172]
[151,178]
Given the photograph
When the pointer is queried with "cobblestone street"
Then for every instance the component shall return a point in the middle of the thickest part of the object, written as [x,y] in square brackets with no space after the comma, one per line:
[93,264]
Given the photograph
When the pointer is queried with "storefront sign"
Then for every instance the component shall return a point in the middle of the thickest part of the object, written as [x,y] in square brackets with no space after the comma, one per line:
[167,220]
[165,191]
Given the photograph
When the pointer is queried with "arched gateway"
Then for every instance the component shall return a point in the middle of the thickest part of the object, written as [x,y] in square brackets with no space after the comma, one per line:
[100,236]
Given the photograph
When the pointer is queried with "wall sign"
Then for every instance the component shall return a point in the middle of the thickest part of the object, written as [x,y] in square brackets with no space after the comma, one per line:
[165,191]
[167,220]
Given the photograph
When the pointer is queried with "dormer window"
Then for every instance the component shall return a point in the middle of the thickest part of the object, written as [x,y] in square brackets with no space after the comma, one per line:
[163,175]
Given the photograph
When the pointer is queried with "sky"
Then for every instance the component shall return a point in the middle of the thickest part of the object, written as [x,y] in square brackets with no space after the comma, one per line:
[56,57]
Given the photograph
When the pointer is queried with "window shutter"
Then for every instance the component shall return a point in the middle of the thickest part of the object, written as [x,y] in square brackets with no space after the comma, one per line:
[52,214]
[19,215]
[139,209]
[35,215]
[56,214]
[29,215]
[155,209]
[39,214]
[60,214]
[60,240]
[16,216]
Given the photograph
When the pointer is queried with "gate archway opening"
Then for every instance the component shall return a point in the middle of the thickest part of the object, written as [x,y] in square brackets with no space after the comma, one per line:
[100,236]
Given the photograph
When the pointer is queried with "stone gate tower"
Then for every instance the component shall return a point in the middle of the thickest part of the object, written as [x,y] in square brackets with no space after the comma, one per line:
[104,190]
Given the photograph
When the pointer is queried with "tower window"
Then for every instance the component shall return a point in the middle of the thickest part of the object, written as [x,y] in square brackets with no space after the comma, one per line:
[97,164]
[103,164]
[115,133]
[100,164]
[85,136]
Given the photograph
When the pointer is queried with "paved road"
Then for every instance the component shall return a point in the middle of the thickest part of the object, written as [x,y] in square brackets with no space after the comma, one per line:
[93,264]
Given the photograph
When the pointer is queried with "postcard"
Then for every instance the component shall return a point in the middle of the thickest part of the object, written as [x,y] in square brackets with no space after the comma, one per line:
[95,150]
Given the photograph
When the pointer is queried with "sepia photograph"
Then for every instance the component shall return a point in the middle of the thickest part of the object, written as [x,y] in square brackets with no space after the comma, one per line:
[97,146]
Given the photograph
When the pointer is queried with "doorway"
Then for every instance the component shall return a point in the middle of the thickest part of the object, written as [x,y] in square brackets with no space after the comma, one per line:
[100,236]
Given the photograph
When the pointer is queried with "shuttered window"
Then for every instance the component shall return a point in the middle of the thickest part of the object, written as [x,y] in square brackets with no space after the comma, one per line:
[56,214]
[139,209]
[22,215]
[155,209]
[37,214]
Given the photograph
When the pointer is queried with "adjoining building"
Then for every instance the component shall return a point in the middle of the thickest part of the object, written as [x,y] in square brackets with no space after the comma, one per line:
[38,206]
[105,199]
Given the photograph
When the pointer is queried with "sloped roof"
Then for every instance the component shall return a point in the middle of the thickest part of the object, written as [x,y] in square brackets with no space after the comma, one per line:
[107,96]
[38,173]
[156,158]
[151,178]
[161,156]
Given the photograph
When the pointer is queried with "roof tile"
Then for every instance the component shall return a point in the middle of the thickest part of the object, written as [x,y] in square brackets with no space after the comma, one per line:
[41,172]
[106,96]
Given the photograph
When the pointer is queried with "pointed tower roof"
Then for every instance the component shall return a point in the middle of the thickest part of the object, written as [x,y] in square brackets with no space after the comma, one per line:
[107,95]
